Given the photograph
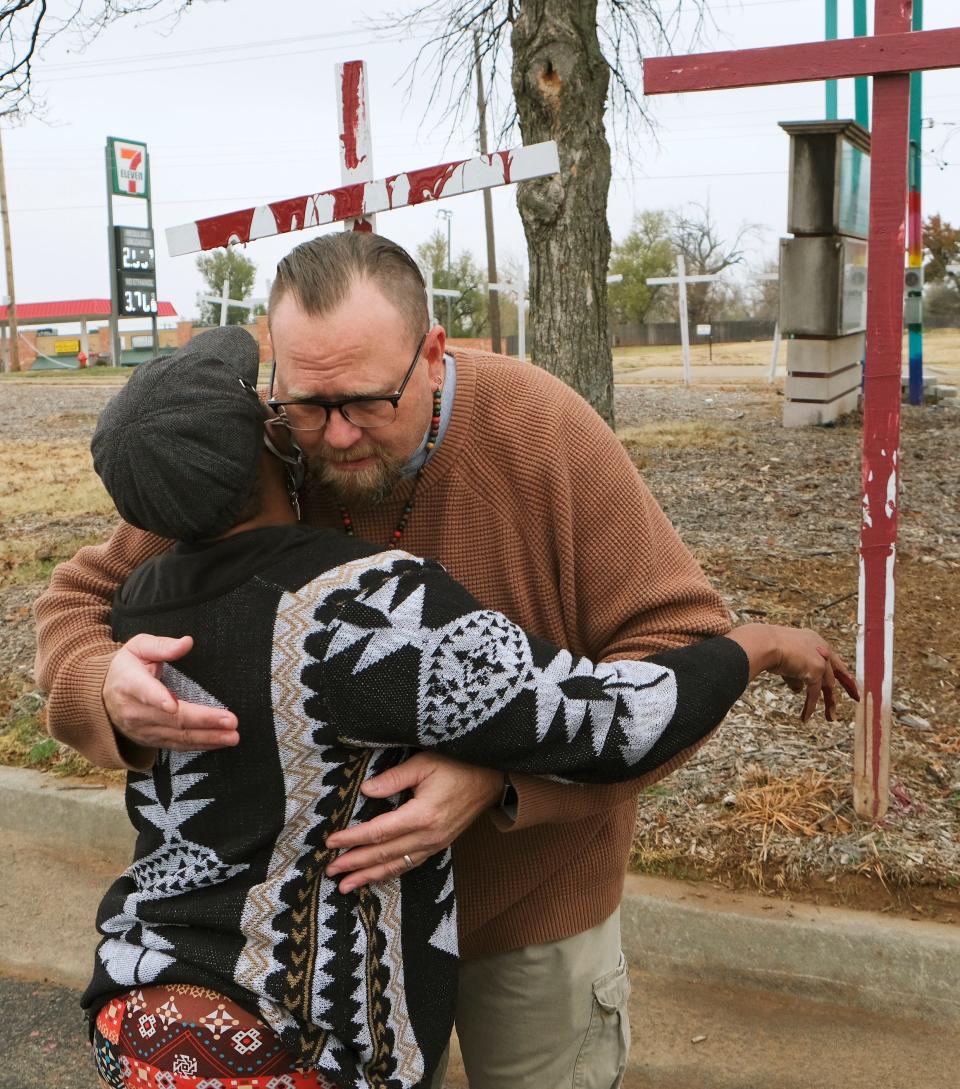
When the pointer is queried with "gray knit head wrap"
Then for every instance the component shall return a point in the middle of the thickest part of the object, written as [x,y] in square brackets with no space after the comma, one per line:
[178,448]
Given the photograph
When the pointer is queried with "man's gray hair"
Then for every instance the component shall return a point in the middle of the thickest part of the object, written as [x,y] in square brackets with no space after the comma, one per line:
[319,274]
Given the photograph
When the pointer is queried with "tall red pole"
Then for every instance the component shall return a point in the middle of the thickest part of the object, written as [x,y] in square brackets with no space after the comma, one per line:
[881,425]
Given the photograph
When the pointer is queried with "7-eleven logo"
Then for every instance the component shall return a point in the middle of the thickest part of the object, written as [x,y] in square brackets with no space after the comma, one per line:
[130,165]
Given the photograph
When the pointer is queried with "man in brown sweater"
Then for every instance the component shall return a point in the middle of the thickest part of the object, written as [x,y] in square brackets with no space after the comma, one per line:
[505,476]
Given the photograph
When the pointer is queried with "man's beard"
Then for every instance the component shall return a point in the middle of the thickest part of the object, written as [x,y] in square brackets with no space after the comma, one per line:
[372,485]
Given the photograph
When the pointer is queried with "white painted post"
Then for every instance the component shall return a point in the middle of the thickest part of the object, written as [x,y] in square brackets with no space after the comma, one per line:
[684,317]
[519,289]
[775,354]
[84,338]
[428,276]
[224,299]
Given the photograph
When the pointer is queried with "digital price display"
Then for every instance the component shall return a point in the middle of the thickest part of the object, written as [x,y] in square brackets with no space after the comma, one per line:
[136,272]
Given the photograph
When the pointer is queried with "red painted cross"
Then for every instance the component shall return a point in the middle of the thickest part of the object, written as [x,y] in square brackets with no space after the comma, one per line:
[357,200]
[889,56]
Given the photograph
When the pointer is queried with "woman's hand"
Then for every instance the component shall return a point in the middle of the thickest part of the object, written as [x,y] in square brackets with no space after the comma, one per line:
[804,659]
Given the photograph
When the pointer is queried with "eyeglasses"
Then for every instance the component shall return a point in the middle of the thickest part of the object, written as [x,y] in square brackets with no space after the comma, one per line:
[367,411]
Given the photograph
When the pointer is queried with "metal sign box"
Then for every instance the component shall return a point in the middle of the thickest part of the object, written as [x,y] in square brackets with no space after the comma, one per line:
[829,178]
[823,286]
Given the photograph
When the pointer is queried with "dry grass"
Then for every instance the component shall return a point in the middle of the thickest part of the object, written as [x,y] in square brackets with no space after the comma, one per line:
[50,480]
[769,805]
[49,489]
[673,435]
[668,355]
[941,351]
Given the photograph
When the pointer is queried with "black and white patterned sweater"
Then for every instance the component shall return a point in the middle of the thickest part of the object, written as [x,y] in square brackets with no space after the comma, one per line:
[337,660]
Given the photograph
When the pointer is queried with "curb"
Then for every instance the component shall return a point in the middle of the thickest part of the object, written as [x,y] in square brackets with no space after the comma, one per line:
[893,966]
[885,965]
[81,819]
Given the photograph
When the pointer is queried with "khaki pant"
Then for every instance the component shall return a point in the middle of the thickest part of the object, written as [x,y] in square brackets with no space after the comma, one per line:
[548,1016]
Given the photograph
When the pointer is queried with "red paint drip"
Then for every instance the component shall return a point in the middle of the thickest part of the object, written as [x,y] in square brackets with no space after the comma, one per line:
[290,215]
[428,183]
[364,226]
[347,201]
[350,121]
[217,231]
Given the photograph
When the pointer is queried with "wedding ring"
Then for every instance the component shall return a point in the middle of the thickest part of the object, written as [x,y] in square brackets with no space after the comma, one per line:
[408,862]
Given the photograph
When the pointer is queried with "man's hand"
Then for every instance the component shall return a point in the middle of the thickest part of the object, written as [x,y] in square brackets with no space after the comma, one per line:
[146,712]
[447,797]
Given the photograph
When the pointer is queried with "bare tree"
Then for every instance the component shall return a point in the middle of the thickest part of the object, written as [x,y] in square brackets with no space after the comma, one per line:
[26,26]
[694,234]
[564,53]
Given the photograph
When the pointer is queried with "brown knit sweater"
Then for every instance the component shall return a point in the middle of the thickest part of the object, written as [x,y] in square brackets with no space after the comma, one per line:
[532,503]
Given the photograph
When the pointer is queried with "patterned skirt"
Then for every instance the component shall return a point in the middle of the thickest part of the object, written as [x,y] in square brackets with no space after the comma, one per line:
[185,1037]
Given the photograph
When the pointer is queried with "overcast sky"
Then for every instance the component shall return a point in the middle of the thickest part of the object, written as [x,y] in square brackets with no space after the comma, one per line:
[237,107]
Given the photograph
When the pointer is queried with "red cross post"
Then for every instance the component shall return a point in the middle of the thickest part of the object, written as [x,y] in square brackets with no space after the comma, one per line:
[360,197]
[889,56]
[356,151]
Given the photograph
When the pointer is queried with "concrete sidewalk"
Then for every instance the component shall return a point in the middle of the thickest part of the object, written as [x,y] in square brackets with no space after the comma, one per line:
[62,842]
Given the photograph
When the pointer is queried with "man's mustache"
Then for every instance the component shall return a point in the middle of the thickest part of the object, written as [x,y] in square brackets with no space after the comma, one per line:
[337,457]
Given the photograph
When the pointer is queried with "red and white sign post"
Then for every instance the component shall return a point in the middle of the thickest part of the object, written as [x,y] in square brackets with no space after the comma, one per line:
[889,56]
[356,201]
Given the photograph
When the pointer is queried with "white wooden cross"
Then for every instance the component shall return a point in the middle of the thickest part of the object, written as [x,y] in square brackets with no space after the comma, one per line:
[432,292]
[518,289]
[225,301]
[355,202]
[681,280]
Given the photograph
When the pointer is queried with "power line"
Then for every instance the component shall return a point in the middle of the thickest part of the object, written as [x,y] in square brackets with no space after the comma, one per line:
[205,51]
[706,174]
[206,63]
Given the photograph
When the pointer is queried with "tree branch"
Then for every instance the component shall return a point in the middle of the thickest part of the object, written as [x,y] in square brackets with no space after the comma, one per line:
[27,26]
[628,30]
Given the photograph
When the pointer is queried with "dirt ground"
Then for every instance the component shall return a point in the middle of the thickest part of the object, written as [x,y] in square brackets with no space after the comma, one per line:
[772,515]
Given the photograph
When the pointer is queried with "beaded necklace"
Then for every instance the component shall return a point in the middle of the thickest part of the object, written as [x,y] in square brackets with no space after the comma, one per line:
[408,506]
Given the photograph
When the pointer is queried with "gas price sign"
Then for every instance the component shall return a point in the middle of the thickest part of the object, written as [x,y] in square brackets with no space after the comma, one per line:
[136,271]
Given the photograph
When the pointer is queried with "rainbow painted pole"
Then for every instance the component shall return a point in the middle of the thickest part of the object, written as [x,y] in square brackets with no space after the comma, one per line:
[861,88]
[862,91]
[830,33]
[915,227]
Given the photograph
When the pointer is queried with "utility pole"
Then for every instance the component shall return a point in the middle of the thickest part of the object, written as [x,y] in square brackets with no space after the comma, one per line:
[8,254]
[493,305]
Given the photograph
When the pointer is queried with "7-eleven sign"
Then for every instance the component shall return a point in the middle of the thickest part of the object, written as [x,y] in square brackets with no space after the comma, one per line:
[128,160]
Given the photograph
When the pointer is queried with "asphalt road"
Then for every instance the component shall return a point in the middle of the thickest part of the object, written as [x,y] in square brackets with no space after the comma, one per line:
[43,1037]
[685,1036]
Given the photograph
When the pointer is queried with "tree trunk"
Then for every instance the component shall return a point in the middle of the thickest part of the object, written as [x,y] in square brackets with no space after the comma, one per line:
[560,84]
